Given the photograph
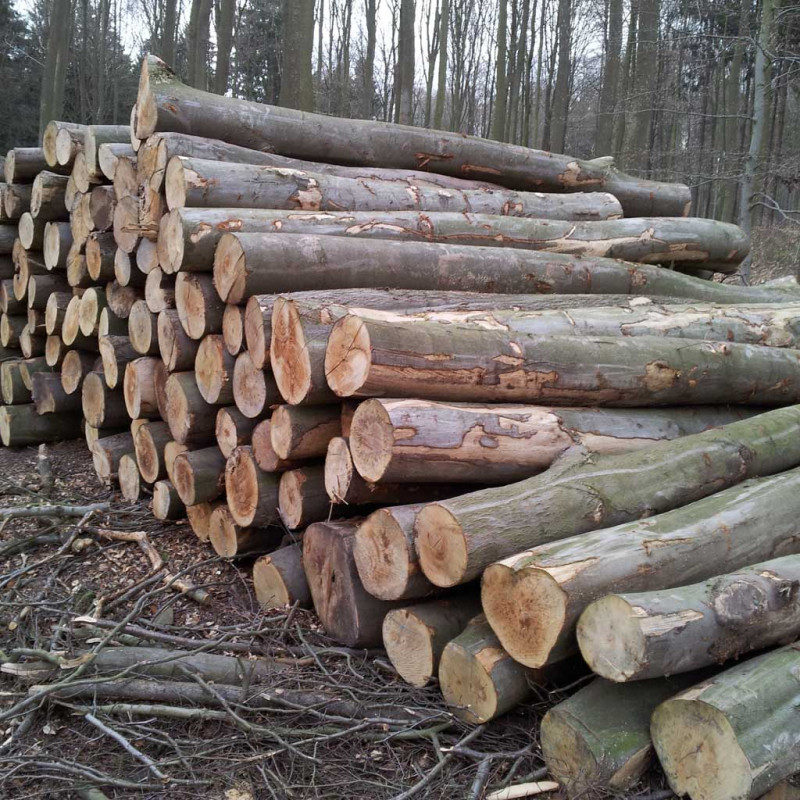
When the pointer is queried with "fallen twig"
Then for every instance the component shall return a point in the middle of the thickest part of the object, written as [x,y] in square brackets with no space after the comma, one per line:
[52,511]
[126,745]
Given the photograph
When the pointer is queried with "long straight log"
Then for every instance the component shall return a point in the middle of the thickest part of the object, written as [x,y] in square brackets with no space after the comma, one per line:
[404,441]
[191,420]
[252,493]
[458,538]
[20,426]
[647,634]
[50,140]
[599,738]
[736,734]
[348,612]
[199,182]
[726,531]
[149,443]
[23,164]
[415,637]
[279,579]
[16,200]
[164,103]
[97,135]
[199,475]
[458,363]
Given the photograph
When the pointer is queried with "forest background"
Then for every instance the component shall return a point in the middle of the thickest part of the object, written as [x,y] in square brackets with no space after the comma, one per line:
[705,92]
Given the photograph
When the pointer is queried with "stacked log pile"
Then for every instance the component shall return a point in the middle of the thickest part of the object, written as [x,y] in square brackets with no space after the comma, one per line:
[505,429]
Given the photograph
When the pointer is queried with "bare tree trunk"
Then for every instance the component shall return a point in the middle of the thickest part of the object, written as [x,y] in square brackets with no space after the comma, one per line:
[561,94]
[501,79]
[604,143]
[227,12]
[405,66]
[368,76]
[297,88]
[55,69]
[441,79]
[168,32]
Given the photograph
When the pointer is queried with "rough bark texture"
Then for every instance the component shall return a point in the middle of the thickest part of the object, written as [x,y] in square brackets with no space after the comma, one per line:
[20,426]
[422,441]
[191,420]
[199,475]
[49,396]
[366,357]
[741,525]
[736,734]
[458,538]
[279,579]
[298,432]
[415,637]
[197,182]
[630,637]
[164,103]
[556,261]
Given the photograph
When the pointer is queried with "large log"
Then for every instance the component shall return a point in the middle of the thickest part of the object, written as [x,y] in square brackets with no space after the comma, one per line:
[199,475]
[279,579]
[199,182]
[599,738]
[93,301]
[55,311]
[97,135]
[81,176]
[125,271]
[347,611]
[31,231]
[458,538]
[478,679]
[436,361]
[726,531]
[164,103]
[199,517]
[20,426]
[302,498]
[23,164]
[299,432]
[146,259]
[191,420]
[423,441]
[252,493]
[647,634]
[100,252]
[31,366]
[734,735]
[199,306]
[159,291]
[139,388]
[262,263]
[415,637]
[54,351]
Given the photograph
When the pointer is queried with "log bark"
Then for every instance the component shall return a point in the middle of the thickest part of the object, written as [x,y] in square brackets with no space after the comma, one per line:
[107,453]
[55,311]
[143,329]
[478,679]
[345,487]
[434,361]
[21,426]
[302,498]
[101,207]
[11,328]
[191,420]
[109,155]
[100,252]
[229,540]
[130,484]
[75,367]
[252,493]
[97,135]
[159,291]
[49,396]
[200,309]
[164,103]
[23,164]
[178,351]
[599,738]
[233,429]
[199,475]
[279,579]
[121,299]
[458,538]
[77,271]
[197,182]
[31,231]
[304,432]
[139,389]
[199,517]
[146,258]
[54,351]
[110,324]
[648,634]
[16,200]
[116,353]
[254,389]
[264,453]
[214,370]
[83,179]
[103,407]
[57,243]
[12,387]
[415,637]
[8,303]
[50,140]
[736,734]
[233,322]
[405,441]
[31,345]
[347,611]
[149,445]
[166,503]
[47,197]
[386,555]
[738,526]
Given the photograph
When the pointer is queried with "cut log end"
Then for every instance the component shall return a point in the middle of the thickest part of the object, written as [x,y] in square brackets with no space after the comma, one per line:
[175,184]
[508,597]
[170,242]
[241,484]
[199,517]
[223,533]
[372,440]
[566,752]
[289,353]
[408,643]
[279,579]
[166,503]
[339,469]
[230,270]
[347,358]
[249,386]
[129,478]
[442,546]
[233,330]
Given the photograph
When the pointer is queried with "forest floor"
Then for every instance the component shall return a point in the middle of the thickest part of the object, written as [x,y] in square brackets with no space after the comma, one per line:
[59,576]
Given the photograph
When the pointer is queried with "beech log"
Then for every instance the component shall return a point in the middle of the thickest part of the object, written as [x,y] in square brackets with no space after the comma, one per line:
[103,407]
[178,351]
[129,479]
[423,441]
[634,636]
[302,498]
[415,637]
[77,271]
[23,164]
[55,311]
[199,306]
[54,351]
[230,540]
[457,363]
[20,426]
[11,328]
[726,531]
[254,389]
[736,734]
[30,367]
[8,303]
[75,367]
[109,155]
[191,420]
[47,197]
[31,345]
[97,135]
[263,451]
[126,220]
[121,299]
[139,388]
[233,429]
[100,252]
[125,270]
[252,493]
[50,140]
[116,352]
[213,368]
[166,503]
[101,207]
[164,103]
[107,453]
[12,387]
[199,517]
[16,200]
[199,475]
[49,396]
[280,580]
[143,329]
[93,301]
[149,445]
[458,538]
[80,218]
[159,291]
[146,259]
[299,432]
[31,231]
[233,322]
[56,246]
